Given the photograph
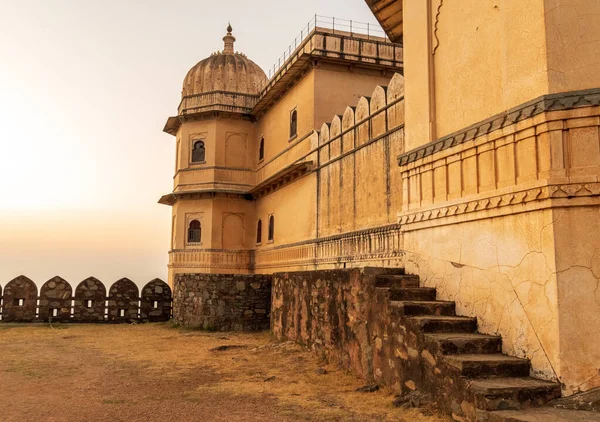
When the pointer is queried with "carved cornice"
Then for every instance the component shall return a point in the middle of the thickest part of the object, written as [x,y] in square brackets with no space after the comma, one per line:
[545,103]
[499,201]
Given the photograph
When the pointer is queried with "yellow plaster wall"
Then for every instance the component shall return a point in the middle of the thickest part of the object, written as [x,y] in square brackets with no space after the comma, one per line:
[358,180]
[416,73]
[183,211]
[236,146]
[187,133]
[348,86]
[501,270]
[488,57]
[275,124]
[507,226]
[467,61]
[578,277]
[224,208]
[573,42]
[294,209]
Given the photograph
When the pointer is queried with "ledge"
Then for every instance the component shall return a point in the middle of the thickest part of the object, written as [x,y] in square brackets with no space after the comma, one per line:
[545,103]
[281,178]
[172,198]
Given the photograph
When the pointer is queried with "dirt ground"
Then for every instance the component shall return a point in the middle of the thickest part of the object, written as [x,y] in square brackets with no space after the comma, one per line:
[155,372]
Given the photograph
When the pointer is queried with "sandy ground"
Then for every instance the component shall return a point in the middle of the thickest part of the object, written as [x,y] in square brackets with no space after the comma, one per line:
[155,372]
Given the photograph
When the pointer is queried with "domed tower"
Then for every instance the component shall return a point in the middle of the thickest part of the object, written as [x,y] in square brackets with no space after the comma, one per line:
[212,217]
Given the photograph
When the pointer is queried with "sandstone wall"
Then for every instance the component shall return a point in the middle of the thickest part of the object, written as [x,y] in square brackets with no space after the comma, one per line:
[222,302]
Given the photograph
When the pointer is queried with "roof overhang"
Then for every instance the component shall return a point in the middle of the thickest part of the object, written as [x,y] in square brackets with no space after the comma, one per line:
[172,198]
[390,17]
[281,178]
[172,125]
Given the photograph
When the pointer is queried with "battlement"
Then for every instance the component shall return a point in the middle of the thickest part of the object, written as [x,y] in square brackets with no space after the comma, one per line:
[89,303]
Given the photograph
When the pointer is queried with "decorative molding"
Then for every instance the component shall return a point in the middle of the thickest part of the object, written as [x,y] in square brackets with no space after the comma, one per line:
[540,193]
[545,103]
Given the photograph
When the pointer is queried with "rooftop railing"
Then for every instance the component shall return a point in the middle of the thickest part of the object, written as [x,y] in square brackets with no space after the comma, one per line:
[366,30]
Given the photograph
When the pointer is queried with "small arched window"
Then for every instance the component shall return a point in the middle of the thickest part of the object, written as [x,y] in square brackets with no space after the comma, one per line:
[271,228]
[195,232]
[199,152]
[259,232]
[294,123]
[261,149]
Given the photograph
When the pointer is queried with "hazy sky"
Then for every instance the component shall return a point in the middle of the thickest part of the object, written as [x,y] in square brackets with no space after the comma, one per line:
[85,89]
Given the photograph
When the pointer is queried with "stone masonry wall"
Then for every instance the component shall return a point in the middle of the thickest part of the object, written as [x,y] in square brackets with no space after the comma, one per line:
[343,317]
[223,302]
[57,302]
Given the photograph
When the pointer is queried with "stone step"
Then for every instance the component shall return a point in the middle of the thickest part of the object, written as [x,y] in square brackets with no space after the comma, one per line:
[457,343]
[512,393]
[445,324]
[413,293]
[383,271]
[489,365]
[543,414]
[397,281]
[414,308]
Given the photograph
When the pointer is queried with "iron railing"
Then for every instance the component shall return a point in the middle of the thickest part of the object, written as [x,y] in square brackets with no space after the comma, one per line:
[370,30]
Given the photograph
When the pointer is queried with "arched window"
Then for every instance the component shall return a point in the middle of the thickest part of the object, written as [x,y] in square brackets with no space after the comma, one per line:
[261,149]
[198,153]
[195,232]
[271,228]
[259,232]
[294,123]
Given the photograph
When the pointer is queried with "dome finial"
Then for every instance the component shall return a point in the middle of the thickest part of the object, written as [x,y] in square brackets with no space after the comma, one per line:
[228,40]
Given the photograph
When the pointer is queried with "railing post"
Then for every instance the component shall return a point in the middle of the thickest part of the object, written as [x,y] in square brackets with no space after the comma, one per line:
[350,28]
[333,19]
[315,21]
[368,35]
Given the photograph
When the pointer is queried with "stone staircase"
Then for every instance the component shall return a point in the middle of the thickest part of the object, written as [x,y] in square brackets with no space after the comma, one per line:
[465,371]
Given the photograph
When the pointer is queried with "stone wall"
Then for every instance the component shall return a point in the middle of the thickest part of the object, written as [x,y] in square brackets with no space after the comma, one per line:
[57,303]
[343,317]
[222,302]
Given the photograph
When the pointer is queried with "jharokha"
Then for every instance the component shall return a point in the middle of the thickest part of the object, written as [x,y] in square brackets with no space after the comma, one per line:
[421,206]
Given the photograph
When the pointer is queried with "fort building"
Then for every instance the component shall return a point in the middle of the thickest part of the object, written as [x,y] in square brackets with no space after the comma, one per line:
[461,147]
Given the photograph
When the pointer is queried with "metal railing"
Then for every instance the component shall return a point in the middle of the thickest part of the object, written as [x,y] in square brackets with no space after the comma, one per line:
[370,30]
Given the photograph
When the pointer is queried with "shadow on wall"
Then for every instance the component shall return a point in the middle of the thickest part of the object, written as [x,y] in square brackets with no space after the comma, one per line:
[90,303]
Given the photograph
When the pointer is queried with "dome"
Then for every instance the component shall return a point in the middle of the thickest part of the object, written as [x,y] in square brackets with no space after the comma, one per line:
[225,71]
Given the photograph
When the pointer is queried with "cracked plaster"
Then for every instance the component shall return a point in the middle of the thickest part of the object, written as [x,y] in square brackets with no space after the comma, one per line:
[531,278]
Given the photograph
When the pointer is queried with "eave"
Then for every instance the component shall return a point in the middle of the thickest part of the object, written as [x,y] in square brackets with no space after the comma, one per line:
[172,198]
[281,178]
[390,16]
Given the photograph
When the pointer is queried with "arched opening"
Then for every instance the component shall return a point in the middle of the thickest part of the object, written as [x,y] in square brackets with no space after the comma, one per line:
[195,232]
[294,123]
[271,228]
[261,149]
[199,152]
[259,232]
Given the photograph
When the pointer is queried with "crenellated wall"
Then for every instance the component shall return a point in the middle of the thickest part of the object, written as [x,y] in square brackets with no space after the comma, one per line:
[345,209]
[90,303]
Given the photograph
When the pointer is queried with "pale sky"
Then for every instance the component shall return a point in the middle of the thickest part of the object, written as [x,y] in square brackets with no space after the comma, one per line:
[85,89]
